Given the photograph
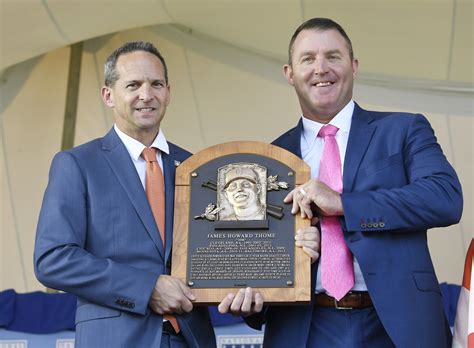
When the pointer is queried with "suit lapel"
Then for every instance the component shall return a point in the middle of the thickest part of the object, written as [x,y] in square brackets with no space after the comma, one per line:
[169,170]
[360,136]
[119,160]
[292,141]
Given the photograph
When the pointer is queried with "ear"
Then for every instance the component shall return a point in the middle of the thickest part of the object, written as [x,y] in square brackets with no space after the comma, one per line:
[355,67]
[288,72]
[107,96]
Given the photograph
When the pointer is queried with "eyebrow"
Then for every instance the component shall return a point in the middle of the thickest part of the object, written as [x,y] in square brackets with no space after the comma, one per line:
[306,53]
[141,81]
[334,51]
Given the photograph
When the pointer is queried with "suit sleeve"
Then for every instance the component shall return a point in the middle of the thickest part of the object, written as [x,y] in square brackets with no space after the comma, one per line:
[60,258]
[430,195]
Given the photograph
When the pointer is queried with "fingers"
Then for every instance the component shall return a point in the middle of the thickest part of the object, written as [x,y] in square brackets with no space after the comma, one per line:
[314,220]
[314,255]
[244,302]
[187,291]
[171,295]
[186,306]
[301,201]
[289,196]
[295,208]
[309,239]
[238,303]
[258,303]
[225,304]
[308,234]
[305,207]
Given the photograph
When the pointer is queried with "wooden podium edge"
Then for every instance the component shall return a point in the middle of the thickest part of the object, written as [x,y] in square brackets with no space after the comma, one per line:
[300,292]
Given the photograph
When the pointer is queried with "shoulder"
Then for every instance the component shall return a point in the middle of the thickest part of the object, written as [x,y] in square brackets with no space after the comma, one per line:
[283,139]
[390,117]
[391,121]
[80,151]
[178,152]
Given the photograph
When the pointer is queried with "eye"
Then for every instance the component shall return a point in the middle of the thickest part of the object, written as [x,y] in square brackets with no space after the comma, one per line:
[158,84]
[232,186]
[247,184]
[307,59]
[132,85]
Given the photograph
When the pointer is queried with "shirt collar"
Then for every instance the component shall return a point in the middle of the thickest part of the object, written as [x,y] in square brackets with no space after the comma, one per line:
[342,120]
[135,148]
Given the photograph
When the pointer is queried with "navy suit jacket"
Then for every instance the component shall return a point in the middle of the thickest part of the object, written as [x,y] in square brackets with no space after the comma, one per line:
[97,239]
[396,184]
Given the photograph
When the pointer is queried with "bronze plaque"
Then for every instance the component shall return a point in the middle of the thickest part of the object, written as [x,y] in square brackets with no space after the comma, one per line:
[231,227]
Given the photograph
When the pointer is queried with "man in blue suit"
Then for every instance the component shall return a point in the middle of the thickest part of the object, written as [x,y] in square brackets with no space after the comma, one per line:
[396,184]
[97,237]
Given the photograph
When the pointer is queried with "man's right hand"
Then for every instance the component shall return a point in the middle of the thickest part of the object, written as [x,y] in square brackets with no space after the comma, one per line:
[171,296]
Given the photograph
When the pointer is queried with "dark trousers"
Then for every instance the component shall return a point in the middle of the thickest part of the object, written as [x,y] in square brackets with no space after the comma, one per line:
[172,341]
[347,328]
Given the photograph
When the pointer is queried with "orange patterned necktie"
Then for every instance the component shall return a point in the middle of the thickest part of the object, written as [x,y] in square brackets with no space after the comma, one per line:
[155,192]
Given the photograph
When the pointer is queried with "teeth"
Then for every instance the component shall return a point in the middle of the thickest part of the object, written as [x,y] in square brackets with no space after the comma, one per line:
[145,109]
[323,84]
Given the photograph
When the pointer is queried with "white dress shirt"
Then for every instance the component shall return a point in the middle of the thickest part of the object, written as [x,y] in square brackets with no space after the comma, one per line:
[135,149]
[312,150]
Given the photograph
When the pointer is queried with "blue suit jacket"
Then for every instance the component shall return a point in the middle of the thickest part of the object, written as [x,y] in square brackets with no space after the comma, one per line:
[397,184]
[97,239]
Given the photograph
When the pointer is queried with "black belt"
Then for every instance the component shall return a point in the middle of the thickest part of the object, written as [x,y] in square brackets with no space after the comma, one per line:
[353,300]
[169,329]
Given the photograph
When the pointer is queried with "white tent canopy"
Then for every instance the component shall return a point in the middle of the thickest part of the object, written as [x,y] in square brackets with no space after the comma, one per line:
[224,60]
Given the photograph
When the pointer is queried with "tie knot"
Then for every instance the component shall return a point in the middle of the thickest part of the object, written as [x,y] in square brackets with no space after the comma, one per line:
[149,154]
[327,130]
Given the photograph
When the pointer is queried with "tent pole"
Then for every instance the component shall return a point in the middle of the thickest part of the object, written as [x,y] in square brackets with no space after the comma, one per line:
[72,96]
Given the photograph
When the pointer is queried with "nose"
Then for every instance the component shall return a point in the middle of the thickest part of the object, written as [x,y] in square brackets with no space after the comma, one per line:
[320,66]
[146,92]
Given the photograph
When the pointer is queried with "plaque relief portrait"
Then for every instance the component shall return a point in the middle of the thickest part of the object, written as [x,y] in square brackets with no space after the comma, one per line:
[242,192]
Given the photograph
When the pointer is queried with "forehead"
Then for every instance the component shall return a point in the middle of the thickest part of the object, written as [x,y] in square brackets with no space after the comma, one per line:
[238,180]
[311,40]
[139,65]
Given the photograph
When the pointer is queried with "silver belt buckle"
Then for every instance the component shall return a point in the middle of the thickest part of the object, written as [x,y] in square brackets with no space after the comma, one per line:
[337,307]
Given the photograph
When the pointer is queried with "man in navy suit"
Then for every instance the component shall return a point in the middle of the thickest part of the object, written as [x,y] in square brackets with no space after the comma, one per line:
[97,237]
[396,184]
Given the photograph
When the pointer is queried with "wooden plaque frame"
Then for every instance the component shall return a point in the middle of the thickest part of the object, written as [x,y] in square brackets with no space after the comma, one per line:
[300,292]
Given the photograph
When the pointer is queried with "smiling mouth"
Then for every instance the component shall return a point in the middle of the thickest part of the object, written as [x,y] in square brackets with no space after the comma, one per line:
[240,196]
[149,109]
[323,84]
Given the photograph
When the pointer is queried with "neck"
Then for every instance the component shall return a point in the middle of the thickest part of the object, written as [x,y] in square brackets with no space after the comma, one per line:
[145,136]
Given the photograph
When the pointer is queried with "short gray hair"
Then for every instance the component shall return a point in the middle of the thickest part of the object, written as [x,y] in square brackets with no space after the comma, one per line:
[110,72]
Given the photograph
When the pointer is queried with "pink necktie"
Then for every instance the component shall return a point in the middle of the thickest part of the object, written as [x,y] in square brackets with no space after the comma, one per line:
[337,270]
[155,192]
